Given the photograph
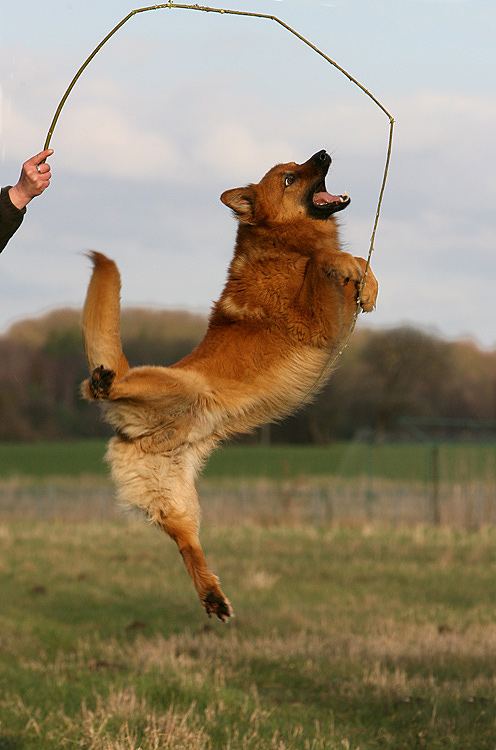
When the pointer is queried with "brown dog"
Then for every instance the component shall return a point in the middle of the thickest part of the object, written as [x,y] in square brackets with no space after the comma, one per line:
[286,310]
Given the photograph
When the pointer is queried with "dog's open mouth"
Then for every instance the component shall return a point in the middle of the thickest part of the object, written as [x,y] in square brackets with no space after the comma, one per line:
[327,202]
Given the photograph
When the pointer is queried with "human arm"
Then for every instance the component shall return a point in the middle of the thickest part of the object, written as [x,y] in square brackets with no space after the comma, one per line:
[10,217]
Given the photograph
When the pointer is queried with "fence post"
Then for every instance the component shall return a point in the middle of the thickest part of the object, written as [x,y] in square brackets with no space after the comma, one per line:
[435,506]
[369,493]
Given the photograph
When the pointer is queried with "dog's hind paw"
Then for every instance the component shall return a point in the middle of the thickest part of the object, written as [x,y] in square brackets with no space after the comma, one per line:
[217,604]
[100,382]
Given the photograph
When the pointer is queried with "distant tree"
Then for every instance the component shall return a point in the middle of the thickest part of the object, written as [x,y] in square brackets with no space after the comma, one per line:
[381,376]
[472,394]
[402,373]
[42,364]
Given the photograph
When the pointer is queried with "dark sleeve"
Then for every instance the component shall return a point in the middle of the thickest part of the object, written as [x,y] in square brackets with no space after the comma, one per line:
[10,217]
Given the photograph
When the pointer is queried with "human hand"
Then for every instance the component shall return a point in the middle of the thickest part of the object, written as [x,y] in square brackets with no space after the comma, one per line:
[35,178]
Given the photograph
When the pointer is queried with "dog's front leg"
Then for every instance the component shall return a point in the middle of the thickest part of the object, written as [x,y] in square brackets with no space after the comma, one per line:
[327,299]
[330,276]
[343,267]
[346,271]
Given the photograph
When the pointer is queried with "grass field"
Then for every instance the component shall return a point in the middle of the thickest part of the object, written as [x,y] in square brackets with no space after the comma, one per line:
[344,638]
[408,461]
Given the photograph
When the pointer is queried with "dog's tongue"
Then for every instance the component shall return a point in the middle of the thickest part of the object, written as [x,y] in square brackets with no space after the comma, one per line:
[321,199]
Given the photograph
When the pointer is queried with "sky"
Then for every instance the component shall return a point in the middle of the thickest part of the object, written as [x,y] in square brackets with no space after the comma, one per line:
[181,105]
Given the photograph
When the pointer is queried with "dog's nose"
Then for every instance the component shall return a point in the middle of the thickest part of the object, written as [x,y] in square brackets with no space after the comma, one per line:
[322,156]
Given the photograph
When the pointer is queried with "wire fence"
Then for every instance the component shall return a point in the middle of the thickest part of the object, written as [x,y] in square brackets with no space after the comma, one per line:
[469,502]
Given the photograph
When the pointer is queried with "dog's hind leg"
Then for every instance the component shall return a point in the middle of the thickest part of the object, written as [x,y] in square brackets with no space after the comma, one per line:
[185,534]
[161,484]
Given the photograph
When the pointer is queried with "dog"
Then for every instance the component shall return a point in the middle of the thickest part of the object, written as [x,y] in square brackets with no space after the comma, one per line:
[287,308]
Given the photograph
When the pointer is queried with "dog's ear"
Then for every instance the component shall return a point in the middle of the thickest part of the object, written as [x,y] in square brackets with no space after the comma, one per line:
[242,202]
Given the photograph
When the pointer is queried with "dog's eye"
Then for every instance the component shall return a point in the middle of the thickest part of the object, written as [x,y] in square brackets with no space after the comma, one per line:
[289,180]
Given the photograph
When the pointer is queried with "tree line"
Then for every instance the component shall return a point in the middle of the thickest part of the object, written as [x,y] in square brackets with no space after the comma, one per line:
[382,378]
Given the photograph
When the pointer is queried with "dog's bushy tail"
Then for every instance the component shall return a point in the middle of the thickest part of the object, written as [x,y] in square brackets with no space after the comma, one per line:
[102,316]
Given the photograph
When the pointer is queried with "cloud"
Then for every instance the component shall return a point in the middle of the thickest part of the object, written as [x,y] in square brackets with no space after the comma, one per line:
[96,139]
[146,163]
[237,145]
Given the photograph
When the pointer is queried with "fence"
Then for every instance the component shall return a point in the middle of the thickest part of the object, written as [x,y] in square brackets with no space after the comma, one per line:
[464,498]
[440,472]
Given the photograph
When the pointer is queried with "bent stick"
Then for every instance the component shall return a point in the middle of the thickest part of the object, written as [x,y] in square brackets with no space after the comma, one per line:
[225,11]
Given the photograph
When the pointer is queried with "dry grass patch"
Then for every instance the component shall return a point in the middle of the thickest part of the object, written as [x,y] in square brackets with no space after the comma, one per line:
[352,638]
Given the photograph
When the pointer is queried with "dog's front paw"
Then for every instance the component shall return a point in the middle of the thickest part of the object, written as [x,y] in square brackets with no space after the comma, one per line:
[344,267]
[370,289]
[100,383]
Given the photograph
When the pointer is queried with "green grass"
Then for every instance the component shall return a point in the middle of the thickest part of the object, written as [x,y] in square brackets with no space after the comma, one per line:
[411,462]
[343,638]
[68,458]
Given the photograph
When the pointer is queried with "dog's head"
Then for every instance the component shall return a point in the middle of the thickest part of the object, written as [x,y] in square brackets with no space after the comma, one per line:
[288,192]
